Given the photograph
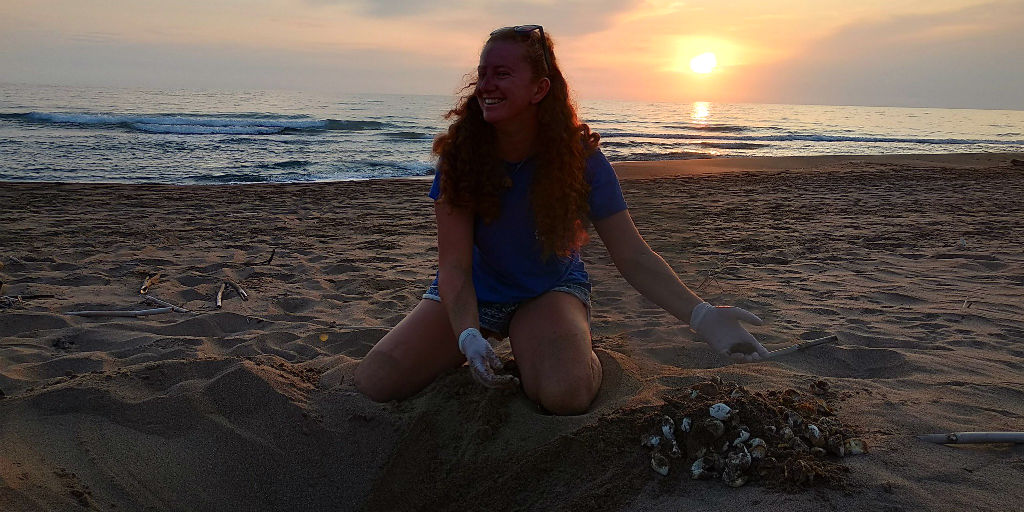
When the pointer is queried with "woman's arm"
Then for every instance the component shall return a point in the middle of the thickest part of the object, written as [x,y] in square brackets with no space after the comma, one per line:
[455,266]
[455,285]
[648,273]
[643,268]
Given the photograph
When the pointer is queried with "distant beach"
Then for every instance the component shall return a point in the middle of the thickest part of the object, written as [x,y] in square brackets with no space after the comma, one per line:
[913,261]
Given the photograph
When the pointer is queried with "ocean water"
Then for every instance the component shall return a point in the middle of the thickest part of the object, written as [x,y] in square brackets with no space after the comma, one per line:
[80,134]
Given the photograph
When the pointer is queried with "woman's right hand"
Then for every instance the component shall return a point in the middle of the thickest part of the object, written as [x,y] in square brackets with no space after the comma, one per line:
[483,362]
[720,327]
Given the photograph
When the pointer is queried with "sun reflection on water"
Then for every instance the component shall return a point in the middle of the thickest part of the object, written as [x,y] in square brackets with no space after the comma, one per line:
[701,111]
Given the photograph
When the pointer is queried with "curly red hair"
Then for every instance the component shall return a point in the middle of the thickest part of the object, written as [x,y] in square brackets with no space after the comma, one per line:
[473,175]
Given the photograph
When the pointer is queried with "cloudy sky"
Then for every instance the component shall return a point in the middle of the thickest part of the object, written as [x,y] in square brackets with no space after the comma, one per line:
[935,53]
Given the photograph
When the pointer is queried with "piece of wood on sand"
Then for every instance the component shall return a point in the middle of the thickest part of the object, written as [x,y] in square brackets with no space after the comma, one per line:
[802,346]
[220,296]
[238,289]
[159,302]
[974,437]
[273,251]
[271,258]
[149,281]
[142,312]
[31,296]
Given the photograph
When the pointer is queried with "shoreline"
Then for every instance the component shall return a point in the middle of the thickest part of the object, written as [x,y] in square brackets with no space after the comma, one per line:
[674,168]
[671,168]
[913,262]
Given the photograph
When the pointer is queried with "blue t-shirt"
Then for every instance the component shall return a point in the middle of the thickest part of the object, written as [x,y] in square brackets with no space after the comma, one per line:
[508,262]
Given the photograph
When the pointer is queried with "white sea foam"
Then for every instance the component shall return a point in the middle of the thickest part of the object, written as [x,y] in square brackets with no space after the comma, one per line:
[192,129]
[204,124]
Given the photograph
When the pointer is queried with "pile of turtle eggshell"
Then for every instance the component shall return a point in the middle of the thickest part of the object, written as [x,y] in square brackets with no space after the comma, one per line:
[717,430]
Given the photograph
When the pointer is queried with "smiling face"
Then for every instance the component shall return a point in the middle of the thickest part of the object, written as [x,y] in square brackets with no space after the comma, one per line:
[506,88]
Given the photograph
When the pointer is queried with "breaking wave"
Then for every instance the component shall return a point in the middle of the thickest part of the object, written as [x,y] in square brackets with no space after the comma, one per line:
[186,124]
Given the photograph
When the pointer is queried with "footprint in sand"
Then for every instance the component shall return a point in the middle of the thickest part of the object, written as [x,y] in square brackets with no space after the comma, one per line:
[190,281]
[852,362]
[12,324]
[73,280]
[296,305]
[895,298]
[340,269]
[352,342]
[214,324]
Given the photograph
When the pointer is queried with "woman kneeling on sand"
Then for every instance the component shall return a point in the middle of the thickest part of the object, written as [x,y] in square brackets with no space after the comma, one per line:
[518,175]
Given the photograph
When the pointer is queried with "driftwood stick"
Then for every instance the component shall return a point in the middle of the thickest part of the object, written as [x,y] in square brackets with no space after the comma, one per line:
[253,263]
[150,281]
[238,289]
[974,437]
[29,297]
[220,296]
[159,302]
[271,258]
[143,312]
[802,346]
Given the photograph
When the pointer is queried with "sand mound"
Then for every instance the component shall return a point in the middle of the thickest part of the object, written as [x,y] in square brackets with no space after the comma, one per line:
[226,434]
[498,451]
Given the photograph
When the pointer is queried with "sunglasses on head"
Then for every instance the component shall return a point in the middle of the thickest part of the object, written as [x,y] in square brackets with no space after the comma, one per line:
[526,30]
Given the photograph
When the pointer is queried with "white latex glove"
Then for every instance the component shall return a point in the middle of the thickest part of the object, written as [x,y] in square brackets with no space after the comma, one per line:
[483,362]
[720,327]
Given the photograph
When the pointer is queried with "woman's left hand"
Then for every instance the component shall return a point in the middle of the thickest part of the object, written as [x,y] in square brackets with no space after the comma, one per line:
[720,327]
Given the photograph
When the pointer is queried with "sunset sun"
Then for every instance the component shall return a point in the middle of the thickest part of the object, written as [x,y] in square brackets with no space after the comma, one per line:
[703,63]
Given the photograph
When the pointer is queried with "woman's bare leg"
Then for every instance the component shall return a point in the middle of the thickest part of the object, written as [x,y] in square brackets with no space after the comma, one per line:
[550,338]
[410,356]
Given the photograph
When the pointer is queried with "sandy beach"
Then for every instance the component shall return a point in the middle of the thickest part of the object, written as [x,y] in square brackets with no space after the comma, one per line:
[914,262]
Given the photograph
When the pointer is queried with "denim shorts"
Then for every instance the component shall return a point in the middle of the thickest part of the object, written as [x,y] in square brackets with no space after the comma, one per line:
[497,316]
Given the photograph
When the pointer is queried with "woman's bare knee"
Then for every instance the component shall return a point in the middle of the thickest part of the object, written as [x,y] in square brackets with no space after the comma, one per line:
[410,356]
[376,377]
[573,395]
[566,401]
